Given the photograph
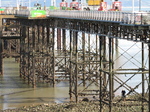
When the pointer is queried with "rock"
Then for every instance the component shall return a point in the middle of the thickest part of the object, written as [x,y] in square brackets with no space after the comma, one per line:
[70,106]
[85,99]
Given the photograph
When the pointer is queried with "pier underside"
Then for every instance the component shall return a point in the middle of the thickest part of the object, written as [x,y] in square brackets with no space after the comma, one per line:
[90,56]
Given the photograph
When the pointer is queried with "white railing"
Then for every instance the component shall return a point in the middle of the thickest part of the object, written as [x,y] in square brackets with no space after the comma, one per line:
[92,15]
[9,12]
[137,18]
[23,13]
[113,16]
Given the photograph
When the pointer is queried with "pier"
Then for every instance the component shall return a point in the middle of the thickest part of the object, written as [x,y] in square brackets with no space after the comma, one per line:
[79,47]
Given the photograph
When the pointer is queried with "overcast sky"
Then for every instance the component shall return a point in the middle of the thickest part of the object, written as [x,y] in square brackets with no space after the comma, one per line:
[125,3]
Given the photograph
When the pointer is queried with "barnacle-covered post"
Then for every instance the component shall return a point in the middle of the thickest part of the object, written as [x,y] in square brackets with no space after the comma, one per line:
[53,58]
[1,49]
[83,50]
[1,58]
[149,78]
[110,75]
[71,72]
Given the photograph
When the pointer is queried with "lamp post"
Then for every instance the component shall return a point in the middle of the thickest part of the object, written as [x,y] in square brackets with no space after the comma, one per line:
[139,5]
[17,4]
[132,5]
[44,5]
[0,3]
[29,4]
[52,2]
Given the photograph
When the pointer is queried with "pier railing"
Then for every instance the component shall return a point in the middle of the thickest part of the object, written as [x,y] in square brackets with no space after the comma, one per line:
[8,12]
[140,18]
[92,15]
[113,16]
[25,13]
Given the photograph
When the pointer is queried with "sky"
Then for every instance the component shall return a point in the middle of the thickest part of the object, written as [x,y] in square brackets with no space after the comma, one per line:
[13,3]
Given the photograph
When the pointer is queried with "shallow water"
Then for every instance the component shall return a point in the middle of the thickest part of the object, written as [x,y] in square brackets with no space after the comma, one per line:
[14,92]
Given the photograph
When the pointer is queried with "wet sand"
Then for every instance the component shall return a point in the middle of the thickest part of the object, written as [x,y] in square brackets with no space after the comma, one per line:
[15,92]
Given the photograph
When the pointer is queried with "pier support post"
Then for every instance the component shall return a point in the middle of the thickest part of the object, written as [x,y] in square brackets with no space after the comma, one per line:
[70,78]
[64,47]
[76,65]
[96,58]
[28,54]
[143,83]
[22,53]
[33,57]
[100,56]
[1,49]
[149,78]
[110,75]
[83,50]
[58,40]
[89,53]
[53,58]
[1,58]
[104,59]
[73,65]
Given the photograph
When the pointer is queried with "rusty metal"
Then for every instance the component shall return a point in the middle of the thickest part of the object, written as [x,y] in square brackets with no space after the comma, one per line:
[143,78]
[1,57]
[9,39]
[149,79]
[1,49]
[110,75]
[100,75]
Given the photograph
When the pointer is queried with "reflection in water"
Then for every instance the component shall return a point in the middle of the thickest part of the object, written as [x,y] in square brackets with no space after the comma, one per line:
[14,92]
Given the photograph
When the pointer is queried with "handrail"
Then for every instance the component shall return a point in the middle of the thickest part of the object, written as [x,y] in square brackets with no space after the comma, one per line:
[23,13]
[113,16]
[140,18]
